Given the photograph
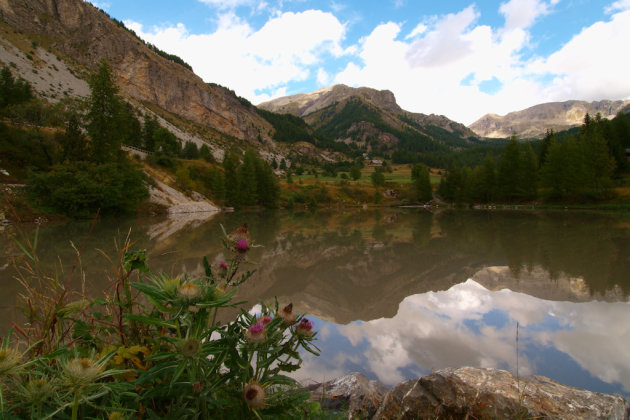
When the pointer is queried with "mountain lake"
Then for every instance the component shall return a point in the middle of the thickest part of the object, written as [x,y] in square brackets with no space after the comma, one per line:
[396,294]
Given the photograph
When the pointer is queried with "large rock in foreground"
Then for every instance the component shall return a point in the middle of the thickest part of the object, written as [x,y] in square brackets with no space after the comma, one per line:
[490,393]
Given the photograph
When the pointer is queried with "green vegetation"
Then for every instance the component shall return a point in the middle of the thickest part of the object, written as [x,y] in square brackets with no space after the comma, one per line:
[577,166]
[81,176]
[154,347]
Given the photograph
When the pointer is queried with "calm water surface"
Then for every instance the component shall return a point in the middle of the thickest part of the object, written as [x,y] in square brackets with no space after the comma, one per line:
[397,294]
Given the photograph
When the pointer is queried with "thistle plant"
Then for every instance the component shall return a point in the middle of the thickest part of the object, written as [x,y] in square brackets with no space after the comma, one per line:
[154,348]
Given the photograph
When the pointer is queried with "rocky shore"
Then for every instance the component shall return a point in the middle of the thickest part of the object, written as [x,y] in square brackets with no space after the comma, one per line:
[466,393]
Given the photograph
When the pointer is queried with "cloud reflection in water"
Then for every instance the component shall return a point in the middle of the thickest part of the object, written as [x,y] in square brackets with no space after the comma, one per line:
[579,344]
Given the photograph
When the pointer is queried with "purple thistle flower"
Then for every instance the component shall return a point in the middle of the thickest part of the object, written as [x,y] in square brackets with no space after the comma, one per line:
[256,328]
[242,246]
[305,328]
[256,333]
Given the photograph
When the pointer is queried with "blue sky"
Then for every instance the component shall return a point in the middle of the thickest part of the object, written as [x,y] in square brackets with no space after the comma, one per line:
[457,58]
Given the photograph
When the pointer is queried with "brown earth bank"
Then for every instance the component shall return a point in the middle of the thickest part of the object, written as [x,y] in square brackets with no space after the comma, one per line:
[466,393]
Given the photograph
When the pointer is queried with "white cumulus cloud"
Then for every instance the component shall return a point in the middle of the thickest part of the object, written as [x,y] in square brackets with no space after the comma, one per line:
[249,61]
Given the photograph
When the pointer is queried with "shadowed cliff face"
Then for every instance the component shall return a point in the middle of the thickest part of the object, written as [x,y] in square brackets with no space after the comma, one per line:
[85,35]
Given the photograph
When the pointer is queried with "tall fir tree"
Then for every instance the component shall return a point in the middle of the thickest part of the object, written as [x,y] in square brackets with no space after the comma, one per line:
[103,116]
[422,182]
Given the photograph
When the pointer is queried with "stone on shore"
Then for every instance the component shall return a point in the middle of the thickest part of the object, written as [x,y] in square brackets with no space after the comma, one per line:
[353,394]
[466,393]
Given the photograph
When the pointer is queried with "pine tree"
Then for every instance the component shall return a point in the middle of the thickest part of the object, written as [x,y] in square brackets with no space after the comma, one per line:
[529,173]
[422,182]
[230,167]
[509,183]
[104,108]
[148,129]
[248,184]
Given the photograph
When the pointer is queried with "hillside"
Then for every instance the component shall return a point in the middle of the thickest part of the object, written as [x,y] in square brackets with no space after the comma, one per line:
[56,44]
[533,122]
[372,120]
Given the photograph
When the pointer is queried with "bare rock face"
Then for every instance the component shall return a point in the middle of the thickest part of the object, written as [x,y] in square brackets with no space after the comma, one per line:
[490,393]
[353,393]
[86,35]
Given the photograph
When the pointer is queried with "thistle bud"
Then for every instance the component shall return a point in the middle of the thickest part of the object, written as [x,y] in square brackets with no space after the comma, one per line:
[305,328]
[287,314]
[190,347]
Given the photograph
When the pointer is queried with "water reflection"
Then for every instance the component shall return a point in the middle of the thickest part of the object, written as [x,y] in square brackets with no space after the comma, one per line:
[387,285]
[580,344]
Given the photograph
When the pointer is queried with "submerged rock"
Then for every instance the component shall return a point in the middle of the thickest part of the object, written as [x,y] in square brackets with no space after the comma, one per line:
[490,393]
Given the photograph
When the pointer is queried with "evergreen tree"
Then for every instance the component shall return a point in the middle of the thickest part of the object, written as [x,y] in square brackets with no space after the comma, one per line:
[73,143]
[206,154]
[529,173]
[544,148]
[248,184]
[355,172]
[268,187]
[377,177]
[230,168]
[129,125]
[13,91]
[190,151]
[166,143]
[104,109]
[509,182]
[148,129]
[422,182]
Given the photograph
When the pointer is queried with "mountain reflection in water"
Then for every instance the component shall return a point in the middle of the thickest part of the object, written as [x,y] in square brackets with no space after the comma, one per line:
[390,290]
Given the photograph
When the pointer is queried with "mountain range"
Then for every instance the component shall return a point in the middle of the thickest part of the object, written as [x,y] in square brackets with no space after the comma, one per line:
[57,44]
[533,122]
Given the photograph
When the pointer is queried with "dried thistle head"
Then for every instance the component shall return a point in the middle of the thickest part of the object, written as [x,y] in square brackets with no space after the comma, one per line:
[189,291]
[254,395]
[9,361]
[287,314]
[37,391]
[81,371]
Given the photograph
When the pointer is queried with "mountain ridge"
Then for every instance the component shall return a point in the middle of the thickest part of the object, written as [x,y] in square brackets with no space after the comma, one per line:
[85,35]
[533,122]
[376,115]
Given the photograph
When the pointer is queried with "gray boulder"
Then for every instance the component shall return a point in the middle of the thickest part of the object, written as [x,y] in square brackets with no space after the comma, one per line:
[490,393]
[353,394]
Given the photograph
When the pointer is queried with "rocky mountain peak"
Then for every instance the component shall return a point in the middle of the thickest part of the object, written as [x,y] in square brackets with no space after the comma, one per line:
[533,122]
[306,103]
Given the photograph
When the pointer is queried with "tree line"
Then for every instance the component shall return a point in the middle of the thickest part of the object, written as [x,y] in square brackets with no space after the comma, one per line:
[579,165]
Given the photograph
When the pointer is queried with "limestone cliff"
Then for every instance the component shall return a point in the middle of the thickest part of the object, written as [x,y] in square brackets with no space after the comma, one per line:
[83,34]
